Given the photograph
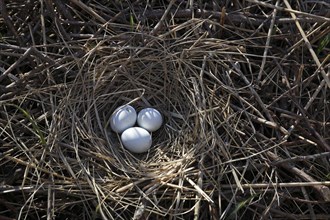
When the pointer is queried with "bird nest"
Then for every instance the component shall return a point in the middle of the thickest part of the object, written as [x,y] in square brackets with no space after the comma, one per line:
[246,110]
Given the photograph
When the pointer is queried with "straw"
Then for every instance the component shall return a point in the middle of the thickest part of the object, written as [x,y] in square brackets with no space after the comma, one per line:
[242,87]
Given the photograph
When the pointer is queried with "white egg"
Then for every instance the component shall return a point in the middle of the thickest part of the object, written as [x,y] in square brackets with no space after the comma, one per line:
[150,119]
[122,118]
[136,139]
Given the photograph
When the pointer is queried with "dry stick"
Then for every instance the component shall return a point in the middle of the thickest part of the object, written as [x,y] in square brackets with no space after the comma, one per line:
[9,22]
[270,124]
[200,184]
[29,51]
[222,22]
[63,10]
[319,28]
[145,198]
[318,89]
[309,46]
[309,205]
[285,196]
[265,213]
[50,79]
[304,117]
[291,115]
[49,76]
[159,25]
[323,191]
[122,12]
[43,26]
[201,105]
[113,19]
[323,142]
[191,7]
[275,211]
[33,165]
[311,100]
[9,189]
[270,30]
[301,158]
[51,199]
[60,28]
[89,10]
[282,129]
[303,82]
[273,125]
[230,17]
[14,65]
[289,9]
[199,190]
[255,94]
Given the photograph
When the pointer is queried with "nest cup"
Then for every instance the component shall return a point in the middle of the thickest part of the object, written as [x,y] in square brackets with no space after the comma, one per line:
[165,81]
[145,81]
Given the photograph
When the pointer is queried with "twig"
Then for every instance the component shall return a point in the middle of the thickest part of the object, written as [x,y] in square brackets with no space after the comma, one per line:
[269,34]
[310,208]
[270,124]
[309,46]
[200,184]
[89,10]
[29,51]
[253,91]
[322,189]
[33,165]
[276,185]
[9,22]
[64,10]
[160,23]
[234,17]
[289,9]
[301,158]
[322,142]
[199,190]
[322,84]
[50,199]
[10,189]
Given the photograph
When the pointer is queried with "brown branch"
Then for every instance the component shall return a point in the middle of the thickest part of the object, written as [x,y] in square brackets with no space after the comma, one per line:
[323,191]
[27,53]
[308,45]
[236,17]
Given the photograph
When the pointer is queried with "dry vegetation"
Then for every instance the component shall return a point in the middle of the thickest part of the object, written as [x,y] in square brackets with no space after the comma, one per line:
[243,87]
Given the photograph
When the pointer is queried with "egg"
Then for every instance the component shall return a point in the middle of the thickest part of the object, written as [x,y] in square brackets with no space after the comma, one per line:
[150,119]
[122,118]
[136,139]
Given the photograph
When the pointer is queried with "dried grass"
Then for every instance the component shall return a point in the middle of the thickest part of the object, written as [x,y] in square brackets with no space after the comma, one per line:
[243,87]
